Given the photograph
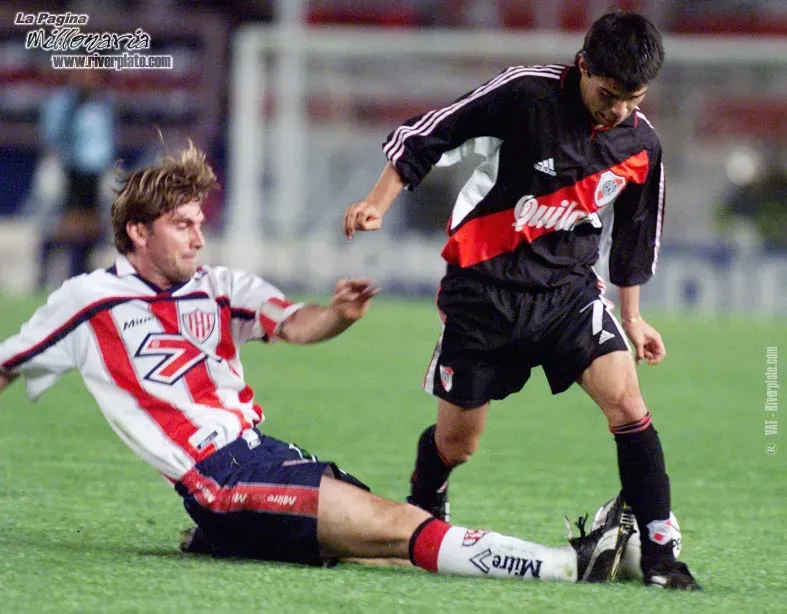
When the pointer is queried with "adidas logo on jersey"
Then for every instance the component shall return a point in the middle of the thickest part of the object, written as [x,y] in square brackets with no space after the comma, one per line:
[546,166]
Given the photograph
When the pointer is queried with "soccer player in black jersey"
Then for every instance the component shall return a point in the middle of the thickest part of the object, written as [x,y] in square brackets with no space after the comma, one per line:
[559,144]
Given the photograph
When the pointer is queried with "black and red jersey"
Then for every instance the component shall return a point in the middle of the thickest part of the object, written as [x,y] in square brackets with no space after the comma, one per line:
[529,216]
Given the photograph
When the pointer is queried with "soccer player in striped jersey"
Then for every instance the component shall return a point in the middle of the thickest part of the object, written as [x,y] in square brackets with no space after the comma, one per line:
[156,338]
[559,145]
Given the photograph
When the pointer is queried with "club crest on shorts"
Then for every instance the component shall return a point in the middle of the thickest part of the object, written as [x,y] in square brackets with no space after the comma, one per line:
[447,378]
[199,324]
[608,188]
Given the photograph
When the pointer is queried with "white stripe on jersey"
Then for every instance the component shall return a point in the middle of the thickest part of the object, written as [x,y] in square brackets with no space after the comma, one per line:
[659,220]
[482,180]
[429,121]
[660,216]
[423,127]
[430,370]
[641,115]
[617,326]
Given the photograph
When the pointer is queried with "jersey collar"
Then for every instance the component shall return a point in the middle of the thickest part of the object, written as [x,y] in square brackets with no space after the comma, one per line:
[124,268]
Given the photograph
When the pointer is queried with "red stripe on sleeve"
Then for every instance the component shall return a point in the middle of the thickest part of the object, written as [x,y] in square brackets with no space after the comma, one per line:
[280,302]
[269,323]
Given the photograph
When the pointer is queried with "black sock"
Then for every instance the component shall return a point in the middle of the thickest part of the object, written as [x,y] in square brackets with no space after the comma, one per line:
[431,472]
[646,485]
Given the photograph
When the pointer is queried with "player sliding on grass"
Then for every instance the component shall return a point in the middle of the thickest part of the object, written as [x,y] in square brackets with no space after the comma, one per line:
[560,143]
[156,338]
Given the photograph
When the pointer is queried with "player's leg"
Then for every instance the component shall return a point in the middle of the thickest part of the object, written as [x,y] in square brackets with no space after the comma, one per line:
[590,347]
[458,431]
[355,523]
[442,447]
[472,364]
[262,498]
[611,381]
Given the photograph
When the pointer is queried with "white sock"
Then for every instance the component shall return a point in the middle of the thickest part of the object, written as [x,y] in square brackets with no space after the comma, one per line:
[470,552]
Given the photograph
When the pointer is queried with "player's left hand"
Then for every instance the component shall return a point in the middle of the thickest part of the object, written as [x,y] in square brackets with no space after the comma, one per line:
[646,340]
[352,297]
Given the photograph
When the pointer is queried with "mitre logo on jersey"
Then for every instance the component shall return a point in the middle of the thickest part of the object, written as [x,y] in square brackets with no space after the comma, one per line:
[447,378]
[199,324]
[283,500]
[608,188]
[136,322]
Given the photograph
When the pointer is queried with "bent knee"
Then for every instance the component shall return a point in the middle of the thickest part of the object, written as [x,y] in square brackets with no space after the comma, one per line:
[456,449]
[625,409]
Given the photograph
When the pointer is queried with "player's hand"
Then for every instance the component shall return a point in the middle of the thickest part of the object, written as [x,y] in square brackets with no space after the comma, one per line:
[362,216]
[352,298]
[646,340]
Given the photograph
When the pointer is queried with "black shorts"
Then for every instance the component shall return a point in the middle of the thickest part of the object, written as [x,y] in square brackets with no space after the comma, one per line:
[492,338]
[258,498]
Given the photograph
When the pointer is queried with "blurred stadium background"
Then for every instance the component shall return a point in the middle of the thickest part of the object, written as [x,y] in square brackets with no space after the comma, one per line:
[292,99]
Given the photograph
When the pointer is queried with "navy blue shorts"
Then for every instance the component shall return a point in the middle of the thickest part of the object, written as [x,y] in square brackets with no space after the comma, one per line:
[494,336]
[258,498]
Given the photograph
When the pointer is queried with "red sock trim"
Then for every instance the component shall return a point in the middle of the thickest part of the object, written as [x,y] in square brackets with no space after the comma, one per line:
[425,543]
[631,427]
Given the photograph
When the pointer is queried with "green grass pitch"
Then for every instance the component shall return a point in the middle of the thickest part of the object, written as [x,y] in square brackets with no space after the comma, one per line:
[85,526]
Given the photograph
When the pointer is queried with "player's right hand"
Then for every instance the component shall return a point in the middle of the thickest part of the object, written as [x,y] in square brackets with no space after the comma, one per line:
[647,341]
[362,216]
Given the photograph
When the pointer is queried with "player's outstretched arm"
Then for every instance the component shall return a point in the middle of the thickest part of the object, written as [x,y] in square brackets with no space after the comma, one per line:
[313,323]
[368,214]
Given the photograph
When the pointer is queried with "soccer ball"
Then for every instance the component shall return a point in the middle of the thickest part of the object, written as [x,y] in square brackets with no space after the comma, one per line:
[629,563]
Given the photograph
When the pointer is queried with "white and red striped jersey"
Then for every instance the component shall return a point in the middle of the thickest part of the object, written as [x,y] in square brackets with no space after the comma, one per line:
[163,365]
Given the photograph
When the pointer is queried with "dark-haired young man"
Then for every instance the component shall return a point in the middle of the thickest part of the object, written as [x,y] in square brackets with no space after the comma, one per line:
[560,143]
